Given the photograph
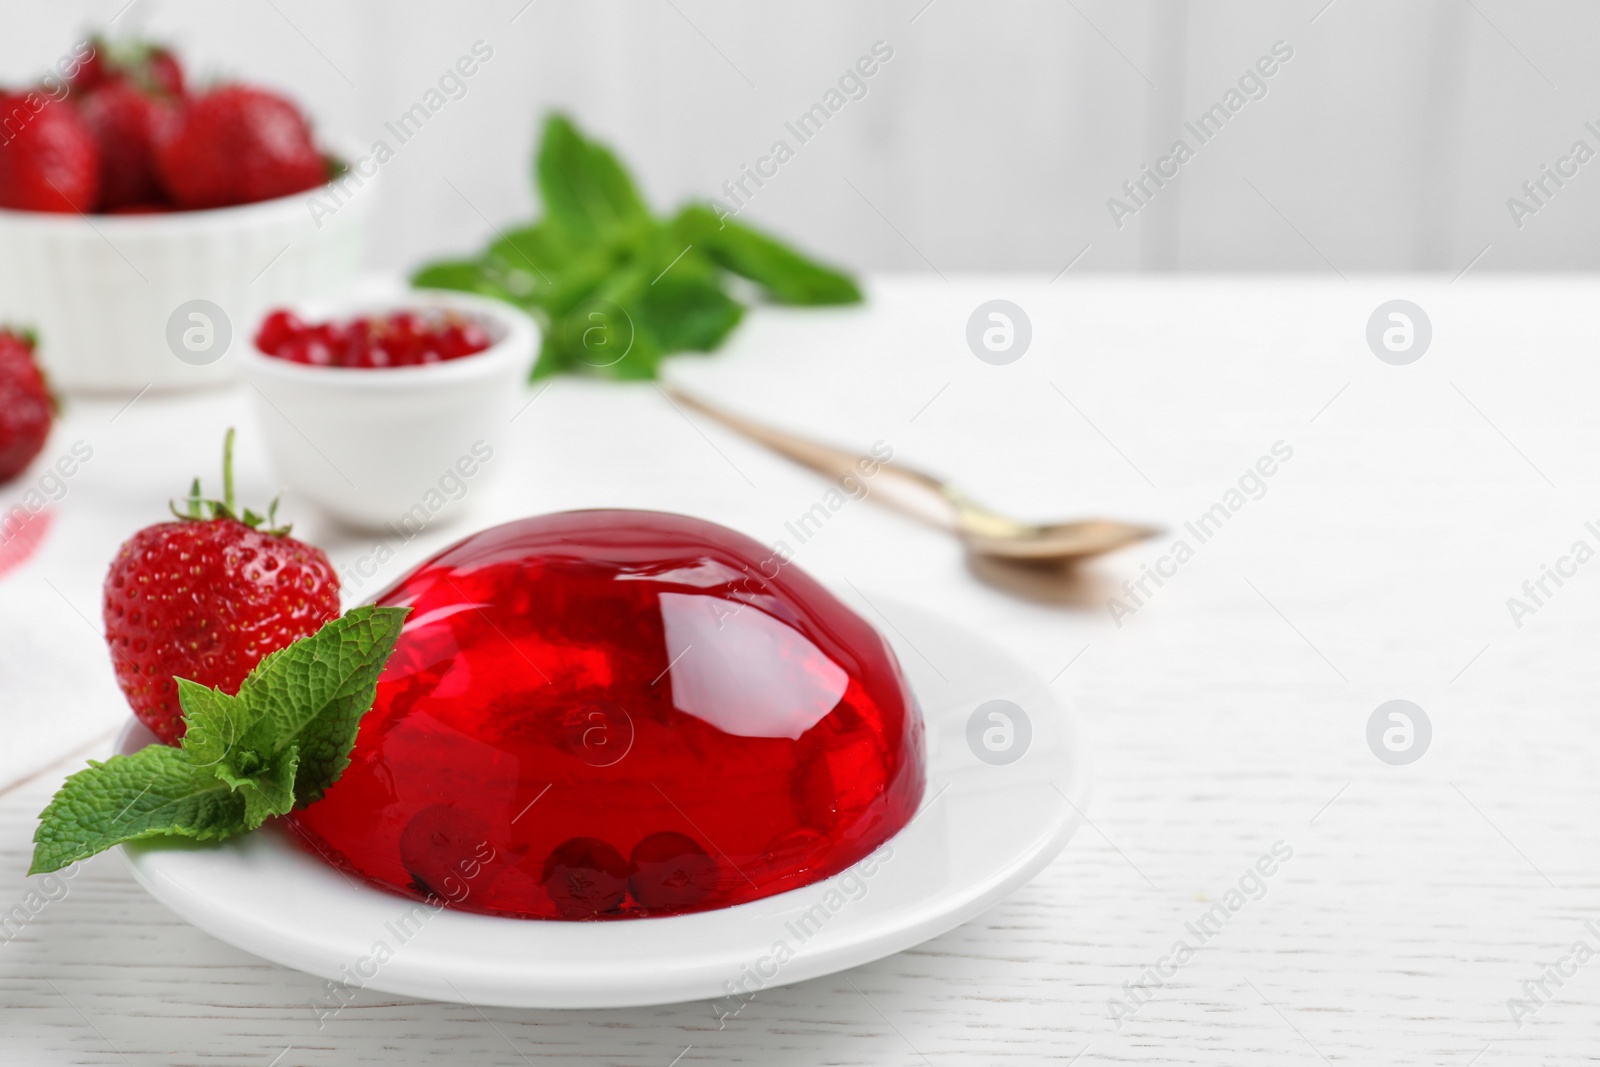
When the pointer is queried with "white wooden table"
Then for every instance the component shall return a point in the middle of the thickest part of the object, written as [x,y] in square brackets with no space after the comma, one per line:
[1229,712]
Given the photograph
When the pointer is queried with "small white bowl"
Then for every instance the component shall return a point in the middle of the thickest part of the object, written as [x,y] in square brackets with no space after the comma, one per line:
[394,448]
[102,290]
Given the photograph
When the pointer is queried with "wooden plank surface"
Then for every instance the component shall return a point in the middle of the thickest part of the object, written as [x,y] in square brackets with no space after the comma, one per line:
[1228,713]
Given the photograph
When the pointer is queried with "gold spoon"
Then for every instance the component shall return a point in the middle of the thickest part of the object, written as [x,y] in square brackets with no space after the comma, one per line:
[989,538]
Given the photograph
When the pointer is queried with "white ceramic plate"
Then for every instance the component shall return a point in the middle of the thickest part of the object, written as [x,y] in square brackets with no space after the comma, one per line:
[983,830]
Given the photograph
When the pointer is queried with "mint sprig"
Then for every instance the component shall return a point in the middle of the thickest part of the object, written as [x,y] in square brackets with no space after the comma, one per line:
[606,277]
[278,745]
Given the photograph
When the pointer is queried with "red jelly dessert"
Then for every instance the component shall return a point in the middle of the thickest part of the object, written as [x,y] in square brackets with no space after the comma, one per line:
[400,339]
[613,714]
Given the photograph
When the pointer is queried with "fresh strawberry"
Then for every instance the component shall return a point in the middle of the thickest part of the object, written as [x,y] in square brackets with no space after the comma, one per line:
[26,408]
[162,71]
[48,160]
[125,121]
[151,67]
[94,71]
[238,145]
[206,598]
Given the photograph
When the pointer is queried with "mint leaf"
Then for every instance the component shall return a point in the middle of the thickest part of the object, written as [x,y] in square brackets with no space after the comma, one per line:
[294,721]
[155,792]
[594,342]
[461,275]
[336,672]
[213,722]
[268,792]
[603,333]
[322,674]
[642,363]
[586,192]
[786,275]
[590,273]
[688,314]
[541,250]
[279,744]
[599,242]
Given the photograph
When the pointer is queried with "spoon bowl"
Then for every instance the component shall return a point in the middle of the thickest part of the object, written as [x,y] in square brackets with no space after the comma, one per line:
[1061,541]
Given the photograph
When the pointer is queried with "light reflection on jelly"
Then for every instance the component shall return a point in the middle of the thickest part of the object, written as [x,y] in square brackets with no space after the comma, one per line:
[745,672]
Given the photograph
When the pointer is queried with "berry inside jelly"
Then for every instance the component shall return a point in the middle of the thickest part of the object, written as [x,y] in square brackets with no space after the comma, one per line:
[616,714]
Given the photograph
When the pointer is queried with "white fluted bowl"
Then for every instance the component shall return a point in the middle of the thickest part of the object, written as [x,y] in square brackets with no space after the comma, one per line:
[100,289]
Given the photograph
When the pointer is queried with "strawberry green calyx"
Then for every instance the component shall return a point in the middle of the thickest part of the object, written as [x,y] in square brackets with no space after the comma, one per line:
[200,508]
[149,65]
[280,744]
[26,334]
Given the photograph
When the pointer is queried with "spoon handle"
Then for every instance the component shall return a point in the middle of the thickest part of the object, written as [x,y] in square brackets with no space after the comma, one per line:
[919,495]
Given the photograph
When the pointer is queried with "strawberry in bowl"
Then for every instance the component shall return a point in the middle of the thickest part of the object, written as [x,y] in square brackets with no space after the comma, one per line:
[127,95]
[128,133]
[238,145]
[123,122]
[219,194]
[390,414]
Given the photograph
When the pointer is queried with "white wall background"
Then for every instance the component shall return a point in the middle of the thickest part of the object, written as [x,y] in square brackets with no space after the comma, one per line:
[993,138]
